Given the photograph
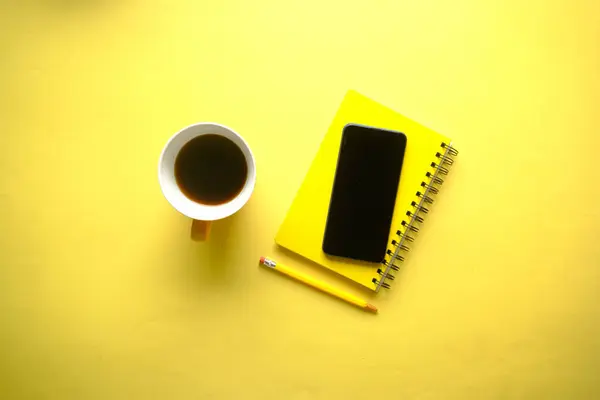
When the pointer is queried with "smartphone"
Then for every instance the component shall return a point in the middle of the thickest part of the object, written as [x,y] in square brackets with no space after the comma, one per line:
[364,193]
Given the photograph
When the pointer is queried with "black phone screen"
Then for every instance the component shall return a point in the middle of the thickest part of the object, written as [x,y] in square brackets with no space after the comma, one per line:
[364,193]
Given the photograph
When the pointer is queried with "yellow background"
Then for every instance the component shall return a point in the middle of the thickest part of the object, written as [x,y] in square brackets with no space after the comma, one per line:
[103,296]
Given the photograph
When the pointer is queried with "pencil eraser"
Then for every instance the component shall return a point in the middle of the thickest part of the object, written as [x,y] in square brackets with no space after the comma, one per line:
[262,260]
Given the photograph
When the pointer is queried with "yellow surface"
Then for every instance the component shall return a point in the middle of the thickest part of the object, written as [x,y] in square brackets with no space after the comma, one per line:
[102,295]
[304,225]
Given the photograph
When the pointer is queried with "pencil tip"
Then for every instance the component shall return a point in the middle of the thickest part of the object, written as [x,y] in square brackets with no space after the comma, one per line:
[371,308]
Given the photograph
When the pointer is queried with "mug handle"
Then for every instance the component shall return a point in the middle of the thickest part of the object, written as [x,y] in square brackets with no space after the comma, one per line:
[200,230]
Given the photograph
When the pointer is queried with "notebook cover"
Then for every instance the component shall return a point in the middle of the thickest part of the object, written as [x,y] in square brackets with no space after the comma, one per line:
[303,227]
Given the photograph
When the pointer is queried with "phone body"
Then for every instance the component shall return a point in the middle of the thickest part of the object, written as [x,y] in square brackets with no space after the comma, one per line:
[364,193]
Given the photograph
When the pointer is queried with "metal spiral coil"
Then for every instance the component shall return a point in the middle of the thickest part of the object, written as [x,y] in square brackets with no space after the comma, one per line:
[419,208]
[414,216]
[410,227]
[435,179]
[440,169]
[401,246]
[396,257]
[405,236]
[444,159]
[381,283]
[393,267]
[388,276]
[425,198]
[449,149]
[430,186]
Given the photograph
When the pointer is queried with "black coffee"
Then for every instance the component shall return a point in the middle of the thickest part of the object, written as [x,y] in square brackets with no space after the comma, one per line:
[211,169]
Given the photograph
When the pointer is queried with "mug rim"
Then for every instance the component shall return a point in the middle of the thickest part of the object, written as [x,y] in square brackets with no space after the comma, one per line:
[173,193]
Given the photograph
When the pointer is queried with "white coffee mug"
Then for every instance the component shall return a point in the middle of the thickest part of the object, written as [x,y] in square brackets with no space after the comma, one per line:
[202,214]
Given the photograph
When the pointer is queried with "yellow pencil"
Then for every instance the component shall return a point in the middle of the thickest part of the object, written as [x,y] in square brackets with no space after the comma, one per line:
[322,286]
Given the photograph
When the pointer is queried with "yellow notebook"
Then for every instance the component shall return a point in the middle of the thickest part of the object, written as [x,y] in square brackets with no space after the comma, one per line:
[427,159]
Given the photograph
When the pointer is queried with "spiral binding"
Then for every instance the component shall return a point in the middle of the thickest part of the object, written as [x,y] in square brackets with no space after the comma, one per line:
[430,186]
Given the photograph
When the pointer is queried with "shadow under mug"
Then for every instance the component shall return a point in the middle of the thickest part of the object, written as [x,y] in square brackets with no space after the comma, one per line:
[202,214]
